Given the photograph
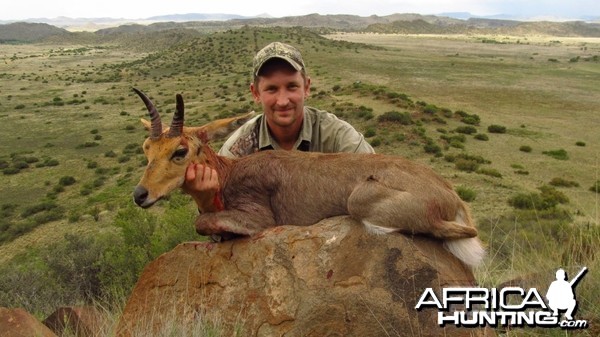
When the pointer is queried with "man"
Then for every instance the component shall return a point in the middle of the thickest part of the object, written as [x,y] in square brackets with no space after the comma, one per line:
[280,85]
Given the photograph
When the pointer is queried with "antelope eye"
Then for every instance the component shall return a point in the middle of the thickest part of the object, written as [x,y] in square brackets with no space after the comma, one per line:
[179,153]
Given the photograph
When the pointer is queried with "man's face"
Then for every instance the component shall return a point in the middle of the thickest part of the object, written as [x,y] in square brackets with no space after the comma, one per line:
[281,91]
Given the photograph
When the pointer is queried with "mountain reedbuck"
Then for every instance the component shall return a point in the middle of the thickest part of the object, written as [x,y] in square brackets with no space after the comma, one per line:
[271,188]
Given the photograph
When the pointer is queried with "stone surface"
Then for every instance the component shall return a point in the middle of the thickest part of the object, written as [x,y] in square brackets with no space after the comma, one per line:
[20,323]
[80,321]
[330,279]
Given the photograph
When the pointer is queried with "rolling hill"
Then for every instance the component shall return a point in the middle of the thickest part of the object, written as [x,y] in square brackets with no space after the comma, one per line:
[396,24]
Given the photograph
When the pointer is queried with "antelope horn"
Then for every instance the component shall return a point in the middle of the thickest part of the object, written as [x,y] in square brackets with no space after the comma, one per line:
[156,125]
[177,123]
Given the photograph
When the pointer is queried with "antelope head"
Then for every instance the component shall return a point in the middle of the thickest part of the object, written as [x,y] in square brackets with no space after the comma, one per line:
[170,150]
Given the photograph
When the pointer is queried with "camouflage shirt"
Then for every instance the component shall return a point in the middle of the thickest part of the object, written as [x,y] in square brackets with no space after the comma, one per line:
[321,132]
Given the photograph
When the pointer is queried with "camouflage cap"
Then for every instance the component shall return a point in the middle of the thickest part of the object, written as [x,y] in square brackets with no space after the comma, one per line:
[278,50]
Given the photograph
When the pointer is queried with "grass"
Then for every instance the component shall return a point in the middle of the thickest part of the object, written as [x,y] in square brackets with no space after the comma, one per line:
[80,113]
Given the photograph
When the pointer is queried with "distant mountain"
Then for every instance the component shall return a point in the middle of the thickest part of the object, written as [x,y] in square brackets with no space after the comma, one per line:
[512,17]
[488,26]
[28,32]
[192,24]
[196,17]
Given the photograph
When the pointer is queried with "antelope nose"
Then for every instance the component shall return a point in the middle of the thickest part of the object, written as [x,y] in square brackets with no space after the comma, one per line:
[140,194]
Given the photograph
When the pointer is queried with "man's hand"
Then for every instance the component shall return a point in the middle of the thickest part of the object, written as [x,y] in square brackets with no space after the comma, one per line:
[200,178]
[202,183]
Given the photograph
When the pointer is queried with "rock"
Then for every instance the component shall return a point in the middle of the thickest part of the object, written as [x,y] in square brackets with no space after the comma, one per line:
[80,321]
[330,279]
[20,323]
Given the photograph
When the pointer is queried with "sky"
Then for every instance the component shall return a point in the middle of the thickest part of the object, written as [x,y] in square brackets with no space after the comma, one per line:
[135,9]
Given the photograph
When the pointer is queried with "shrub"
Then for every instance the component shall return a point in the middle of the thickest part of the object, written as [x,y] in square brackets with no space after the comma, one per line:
[66,181]
[490,172]
[548,198]
[560,154]
[467,165]
[370,132]
[560,182]
[580,143]
[87,145]
[477,159]
[471,120]
[395,117]
[432,147]
[525,148]
[596,187]
[468,130]
[10,170]
[481,136]
[20,165]
[430,109]
[466,194]
[496,129]
[41,207]
[375,142]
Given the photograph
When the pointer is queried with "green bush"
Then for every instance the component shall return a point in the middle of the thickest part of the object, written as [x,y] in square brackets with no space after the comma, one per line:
[370,132]
[548,198]
[37,208]
[466,194]
[525,148]
[468,130]
[67,181]
[596,187]
[375,142]
[433,148]
[557,154]
[403,118]
[10,170]
[430,109]
[490,172]
[481,136]
[477,159]
[580,143]
[467,165]
[496,129]
[561,182]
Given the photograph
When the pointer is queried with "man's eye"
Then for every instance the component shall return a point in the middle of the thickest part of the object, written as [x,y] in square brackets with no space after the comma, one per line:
[180,153]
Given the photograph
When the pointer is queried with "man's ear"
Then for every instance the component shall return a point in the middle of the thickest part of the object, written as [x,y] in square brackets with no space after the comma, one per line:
[255,92]
[307,87]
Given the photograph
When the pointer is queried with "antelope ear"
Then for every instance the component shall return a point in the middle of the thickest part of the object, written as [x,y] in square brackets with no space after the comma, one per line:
[146,124]
[223,127]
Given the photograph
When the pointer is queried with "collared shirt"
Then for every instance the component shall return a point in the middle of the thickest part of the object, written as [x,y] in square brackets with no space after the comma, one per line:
[321,132]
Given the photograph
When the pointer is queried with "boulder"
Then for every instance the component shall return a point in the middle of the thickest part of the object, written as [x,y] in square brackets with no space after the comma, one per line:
[20,323]
[330,279]
[78,321]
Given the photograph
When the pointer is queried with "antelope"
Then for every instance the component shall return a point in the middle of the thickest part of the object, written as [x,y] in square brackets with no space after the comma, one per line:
[386,194]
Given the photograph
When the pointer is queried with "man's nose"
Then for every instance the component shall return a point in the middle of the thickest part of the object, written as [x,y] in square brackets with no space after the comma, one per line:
[283,98]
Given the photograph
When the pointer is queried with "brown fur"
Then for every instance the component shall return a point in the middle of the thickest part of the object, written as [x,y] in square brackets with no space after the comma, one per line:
[386,193]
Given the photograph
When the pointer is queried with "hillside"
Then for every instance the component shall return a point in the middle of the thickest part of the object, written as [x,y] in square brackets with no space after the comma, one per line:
[396,23]
[28,32]
[489,117]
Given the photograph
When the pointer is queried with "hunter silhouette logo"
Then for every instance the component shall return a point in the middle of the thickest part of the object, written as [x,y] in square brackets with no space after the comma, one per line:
[508,306]
[561,293]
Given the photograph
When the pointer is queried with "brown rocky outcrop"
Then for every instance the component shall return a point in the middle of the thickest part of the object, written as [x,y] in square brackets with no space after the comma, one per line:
[20,323]
[80,321]
[330,279]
